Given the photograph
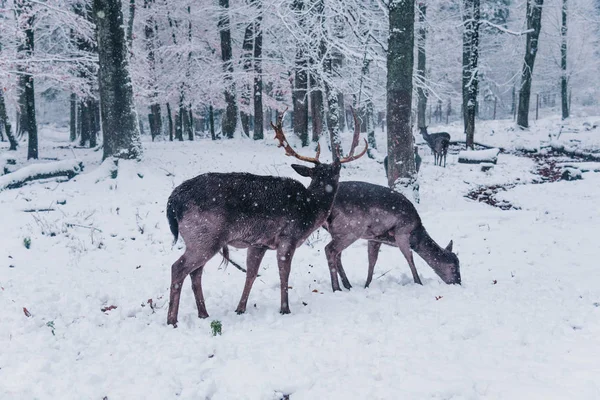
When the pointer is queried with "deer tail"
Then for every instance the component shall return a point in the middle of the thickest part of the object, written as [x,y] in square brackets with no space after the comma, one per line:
[227,259]
[173,223]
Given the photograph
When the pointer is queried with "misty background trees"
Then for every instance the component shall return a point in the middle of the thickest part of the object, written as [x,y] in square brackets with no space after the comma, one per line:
[181,69]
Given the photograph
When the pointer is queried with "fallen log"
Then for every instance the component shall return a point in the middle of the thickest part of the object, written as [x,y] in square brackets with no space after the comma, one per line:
[478,156]
[572,152]
[66,168]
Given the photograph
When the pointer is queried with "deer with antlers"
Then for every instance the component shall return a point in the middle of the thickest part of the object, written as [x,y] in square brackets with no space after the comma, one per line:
[216,210]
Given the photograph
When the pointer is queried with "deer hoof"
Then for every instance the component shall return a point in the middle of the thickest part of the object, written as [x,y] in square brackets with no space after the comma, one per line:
[203,315]
[347,285]
[239,311]
[284,311]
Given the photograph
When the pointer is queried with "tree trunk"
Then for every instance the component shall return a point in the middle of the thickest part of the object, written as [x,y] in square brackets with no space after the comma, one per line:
[154,118]
[563,64]
[534,22]
[470,78]
[402,176]
[229,122]
[130,25]
[119,119]
[300,89]
[73,118]
[27,119]
[370,125]
[258,82]
[94,122]
[315,76]
[211,122]
[421,64]
[85,122]
[5,122]
[247,54]
[170,119]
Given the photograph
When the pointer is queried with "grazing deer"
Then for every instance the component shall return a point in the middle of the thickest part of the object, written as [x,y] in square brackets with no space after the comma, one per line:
[214,210]
[380,215]
[438,143]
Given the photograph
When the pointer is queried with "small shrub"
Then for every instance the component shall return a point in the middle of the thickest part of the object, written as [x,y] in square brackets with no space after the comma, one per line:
[50,324]
[27,242]
[216,327]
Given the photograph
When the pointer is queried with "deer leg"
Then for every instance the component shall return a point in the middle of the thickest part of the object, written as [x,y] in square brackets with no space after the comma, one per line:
[285,252]
[373,251]
[197,288]
[402,241]
[333,251]
[254,257]
[177,278]
[340,268]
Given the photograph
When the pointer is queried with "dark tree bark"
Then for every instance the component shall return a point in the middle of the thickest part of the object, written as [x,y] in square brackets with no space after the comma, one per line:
[5,122]
[370,126]
[154,118]
[470,78]
[316,83]
[73,118]
[211,122]
[94,108]
[130,24]
[229,122]
[421,65]
[300,89]
[27,124]
[534,22]
[119,120]
[85,122]
[400,65]
[258,82]
[170,119]
[563,64]
[247,54]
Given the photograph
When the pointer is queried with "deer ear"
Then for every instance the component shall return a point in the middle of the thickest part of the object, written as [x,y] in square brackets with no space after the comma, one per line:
[302,170]
[449,247]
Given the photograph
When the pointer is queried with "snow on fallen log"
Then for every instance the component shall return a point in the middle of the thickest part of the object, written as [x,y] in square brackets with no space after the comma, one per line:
[478,156]
[573,152]
[66,168]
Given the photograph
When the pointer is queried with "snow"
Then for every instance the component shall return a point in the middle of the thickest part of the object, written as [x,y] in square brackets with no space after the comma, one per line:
[524,324]
[478,156]
[39,169]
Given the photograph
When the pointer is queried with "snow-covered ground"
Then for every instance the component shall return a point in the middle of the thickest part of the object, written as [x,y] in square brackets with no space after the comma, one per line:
[525,324]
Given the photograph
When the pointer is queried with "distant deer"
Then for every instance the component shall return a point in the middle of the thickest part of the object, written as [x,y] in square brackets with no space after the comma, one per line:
[380,215]
[438,143]
[214,210]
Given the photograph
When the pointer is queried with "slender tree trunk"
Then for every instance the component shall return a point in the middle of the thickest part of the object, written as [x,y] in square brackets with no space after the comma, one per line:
[27,123]
[5,122]
[94,122]
[402,175]
[300,89]
[229,122]
[119,119]
[470,77]
[154,118]
[85,122]
[247,54]
[563,64]
[421,65]
[258,81]
[130,25]
[73,118]
[370,125]
[211,122]
[534,22]
[170,119]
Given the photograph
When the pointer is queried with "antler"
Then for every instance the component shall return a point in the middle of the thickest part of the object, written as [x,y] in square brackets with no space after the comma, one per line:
[279,135]
[351,156]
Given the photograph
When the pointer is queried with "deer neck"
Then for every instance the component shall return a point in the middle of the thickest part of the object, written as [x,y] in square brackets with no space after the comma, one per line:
[429,250]
[322,195]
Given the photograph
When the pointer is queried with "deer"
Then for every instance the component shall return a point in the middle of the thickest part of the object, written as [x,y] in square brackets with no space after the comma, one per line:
[215,210]
[438,143]
[382,216]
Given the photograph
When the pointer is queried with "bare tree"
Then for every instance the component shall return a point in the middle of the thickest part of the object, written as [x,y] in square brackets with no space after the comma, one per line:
[258,80]
[470,62]
[400,65]
[563,63]
[421,65]
[230,118]
[534,25]
[119,120]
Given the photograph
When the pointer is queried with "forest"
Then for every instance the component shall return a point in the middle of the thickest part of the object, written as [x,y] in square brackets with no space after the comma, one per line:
[146,148]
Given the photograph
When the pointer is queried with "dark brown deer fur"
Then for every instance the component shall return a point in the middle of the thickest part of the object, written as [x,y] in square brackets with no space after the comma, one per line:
[438,143]
[214,210]
[382,216]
